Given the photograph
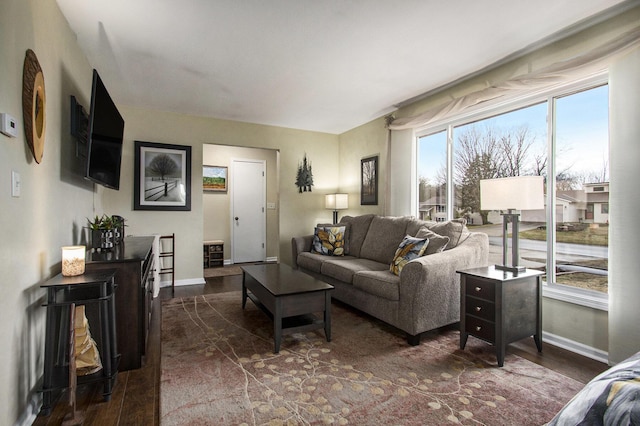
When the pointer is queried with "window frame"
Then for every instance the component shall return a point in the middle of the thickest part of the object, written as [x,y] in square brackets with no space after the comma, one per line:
[556,291]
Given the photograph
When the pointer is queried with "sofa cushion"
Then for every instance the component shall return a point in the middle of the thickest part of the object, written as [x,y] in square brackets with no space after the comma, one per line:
[379,283]
[383,238]
[311,261]
[454,229]
[415,225]
[329,240]
[358,228]
[437,242]
[410,248]
[343,269]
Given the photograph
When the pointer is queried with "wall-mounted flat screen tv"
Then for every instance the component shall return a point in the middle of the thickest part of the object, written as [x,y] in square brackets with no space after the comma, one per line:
[104,137]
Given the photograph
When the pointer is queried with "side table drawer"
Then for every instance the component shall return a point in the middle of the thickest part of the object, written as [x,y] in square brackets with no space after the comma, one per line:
[482,289]
[480,328]
[480,308]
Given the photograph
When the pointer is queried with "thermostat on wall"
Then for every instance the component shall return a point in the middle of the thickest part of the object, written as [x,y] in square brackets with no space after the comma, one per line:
[8,125]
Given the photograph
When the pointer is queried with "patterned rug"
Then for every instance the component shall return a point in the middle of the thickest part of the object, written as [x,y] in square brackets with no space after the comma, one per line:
[218,367]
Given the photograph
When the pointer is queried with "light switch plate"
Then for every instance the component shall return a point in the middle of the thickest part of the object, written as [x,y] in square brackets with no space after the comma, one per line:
[8,125]
[15,184]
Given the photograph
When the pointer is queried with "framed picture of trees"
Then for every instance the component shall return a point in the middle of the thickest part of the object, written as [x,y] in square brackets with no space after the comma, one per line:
[369,181]
[162,177]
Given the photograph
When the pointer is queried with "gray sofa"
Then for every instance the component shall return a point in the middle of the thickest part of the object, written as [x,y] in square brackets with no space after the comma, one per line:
[426,293]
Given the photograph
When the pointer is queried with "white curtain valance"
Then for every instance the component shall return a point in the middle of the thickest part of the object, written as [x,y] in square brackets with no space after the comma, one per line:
[582,65]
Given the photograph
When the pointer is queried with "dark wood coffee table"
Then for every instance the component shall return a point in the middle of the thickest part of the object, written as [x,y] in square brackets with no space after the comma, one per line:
[289,297]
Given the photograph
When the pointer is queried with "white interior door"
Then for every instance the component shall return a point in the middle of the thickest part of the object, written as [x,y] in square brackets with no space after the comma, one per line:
[248,217]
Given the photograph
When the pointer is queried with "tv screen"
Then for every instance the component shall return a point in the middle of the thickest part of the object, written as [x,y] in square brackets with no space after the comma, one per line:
[105,133]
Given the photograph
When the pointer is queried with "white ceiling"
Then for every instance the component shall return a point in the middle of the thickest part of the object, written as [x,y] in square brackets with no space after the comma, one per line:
[322,65]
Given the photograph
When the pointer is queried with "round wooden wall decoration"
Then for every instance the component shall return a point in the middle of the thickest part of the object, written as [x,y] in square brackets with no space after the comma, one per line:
[33,104]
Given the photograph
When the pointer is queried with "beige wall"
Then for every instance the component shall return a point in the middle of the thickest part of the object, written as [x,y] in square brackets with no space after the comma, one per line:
[624,329]
[364,141]
[54,202]
[216,206]
[297,212]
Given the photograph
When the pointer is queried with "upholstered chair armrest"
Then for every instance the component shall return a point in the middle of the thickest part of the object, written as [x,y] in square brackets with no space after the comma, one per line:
[430,286]
[299,245]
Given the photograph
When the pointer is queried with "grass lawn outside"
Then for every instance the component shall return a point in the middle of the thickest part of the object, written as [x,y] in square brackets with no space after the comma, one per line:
[597,235]
[590,236]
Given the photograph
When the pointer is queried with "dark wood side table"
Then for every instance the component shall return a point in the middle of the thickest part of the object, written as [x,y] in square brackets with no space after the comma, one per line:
[96,291]
[500,307]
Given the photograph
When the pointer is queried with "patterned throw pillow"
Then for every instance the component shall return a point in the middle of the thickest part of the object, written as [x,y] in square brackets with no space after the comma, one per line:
[410,248]
[329,240]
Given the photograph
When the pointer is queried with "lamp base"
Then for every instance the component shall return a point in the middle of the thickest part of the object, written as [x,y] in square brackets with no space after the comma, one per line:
[514,269]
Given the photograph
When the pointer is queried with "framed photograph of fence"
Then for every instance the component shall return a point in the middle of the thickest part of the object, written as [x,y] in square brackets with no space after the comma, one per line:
[214,179]
[369,181]
[162,176]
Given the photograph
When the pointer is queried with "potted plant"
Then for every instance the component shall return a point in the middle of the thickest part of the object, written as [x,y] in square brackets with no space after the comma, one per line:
[106,231]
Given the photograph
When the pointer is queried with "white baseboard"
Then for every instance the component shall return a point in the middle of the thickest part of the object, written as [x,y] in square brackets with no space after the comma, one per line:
[576,347]
[188,281]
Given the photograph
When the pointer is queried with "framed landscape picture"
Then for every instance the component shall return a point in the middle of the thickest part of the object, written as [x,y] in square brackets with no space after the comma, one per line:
[214,179]
[369,181]
[162,176]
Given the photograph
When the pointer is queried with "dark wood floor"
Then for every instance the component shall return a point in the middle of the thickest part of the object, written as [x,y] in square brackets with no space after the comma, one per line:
[135,399]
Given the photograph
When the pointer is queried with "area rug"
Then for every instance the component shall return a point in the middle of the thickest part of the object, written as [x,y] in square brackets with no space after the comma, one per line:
[218,367]
[222,272]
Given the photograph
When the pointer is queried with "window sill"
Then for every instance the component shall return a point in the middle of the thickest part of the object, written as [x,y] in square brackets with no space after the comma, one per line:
[578,296]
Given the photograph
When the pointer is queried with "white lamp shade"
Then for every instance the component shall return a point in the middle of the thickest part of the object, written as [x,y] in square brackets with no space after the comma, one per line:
[517,192]
[336,201]
[73,260]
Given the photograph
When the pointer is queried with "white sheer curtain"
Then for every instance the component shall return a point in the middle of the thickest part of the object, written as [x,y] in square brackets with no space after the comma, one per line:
[597,59]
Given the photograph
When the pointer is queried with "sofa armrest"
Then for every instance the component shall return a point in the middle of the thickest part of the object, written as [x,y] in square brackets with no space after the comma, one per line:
[430,286]
[299,245]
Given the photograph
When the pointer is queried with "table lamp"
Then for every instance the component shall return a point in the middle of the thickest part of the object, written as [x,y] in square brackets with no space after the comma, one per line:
[511,194]
[336,202]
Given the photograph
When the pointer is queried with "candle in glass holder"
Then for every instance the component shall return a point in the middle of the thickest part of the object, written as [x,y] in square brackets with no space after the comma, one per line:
[73,260]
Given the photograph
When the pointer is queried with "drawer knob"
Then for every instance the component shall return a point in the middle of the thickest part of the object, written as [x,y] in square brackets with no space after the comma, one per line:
[478,328]
[478,288]
[478,308]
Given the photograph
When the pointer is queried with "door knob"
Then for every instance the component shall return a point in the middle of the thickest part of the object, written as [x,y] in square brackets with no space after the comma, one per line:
[236,218]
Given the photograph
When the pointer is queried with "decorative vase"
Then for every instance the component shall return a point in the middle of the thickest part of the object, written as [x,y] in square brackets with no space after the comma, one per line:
[102,239]
[118,230]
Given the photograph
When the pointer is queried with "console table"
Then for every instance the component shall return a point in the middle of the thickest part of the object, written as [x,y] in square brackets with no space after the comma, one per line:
[133,262]
[500,307]
[95,291]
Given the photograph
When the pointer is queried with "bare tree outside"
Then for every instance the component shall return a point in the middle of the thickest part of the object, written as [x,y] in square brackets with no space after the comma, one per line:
[488,153]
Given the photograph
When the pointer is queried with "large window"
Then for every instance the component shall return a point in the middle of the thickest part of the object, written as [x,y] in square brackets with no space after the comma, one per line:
[569,238]
[432,177]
